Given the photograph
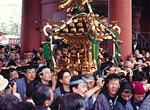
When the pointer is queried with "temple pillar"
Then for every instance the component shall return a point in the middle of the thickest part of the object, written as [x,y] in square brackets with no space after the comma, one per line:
[121,11]
[30,28]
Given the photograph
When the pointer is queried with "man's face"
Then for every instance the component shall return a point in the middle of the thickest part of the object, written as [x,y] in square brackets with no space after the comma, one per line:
[113,87]
[30,75]
[46,75]
[138,98]
[12,56]
[132,59]
[81,90]
[128,64]
[126,95]
[140,61]
[90,84]
[136,52]
[3,50]
[135,42]
[18,56]
[23,63]
[66,78]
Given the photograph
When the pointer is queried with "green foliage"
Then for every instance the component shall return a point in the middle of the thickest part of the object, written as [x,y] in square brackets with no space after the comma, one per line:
[15,29]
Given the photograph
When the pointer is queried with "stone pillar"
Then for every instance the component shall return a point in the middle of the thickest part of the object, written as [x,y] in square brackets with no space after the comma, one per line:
[30,28]
[121,10]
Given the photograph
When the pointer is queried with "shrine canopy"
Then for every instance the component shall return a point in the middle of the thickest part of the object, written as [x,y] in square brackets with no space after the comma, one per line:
[83,31]
[79,26]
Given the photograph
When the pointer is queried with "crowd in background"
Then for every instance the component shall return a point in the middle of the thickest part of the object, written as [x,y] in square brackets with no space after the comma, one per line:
[27,83]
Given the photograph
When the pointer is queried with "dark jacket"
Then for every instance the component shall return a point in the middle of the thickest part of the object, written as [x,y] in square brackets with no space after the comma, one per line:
[21,87]
[39,108]
[59,91]
[138,47]
[90,103]
[102,103]
[145,104]
[123,105]
[135,105]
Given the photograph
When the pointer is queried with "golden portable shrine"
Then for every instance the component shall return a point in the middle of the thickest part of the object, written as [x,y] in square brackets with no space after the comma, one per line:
[83,32]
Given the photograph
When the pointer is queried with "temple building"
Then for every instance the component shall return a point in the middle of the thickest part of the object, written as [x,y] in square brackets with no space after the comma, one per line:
[132,17]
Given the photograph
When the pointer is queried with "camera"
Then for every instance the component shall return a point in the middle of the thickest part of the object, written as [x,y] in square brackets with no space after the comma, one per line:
[11,82]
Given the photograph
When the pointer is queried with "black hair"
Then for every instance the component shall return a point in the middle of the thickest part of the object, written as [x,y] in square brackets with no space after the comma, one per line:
[57,102]
[37,78]
[139,75]
[105,54]
[75,78]
[72,102]
[125,85]
[25,106]
[11,52]
[61,73]
[1,60]
[11,63]
[134,40]
[35,59]
[8,102]
[26,68]
[31,87]
[137,59]
[34,51]
[41,94]
[1,46]
[28,51]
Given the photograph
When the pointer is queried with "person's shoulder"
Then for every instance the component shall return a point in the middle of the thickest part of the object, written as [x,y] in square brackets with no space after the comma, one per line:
[118,106]
[101,96]
[20,79]
[146,100]
[128,106]
[57,89]
[145,103]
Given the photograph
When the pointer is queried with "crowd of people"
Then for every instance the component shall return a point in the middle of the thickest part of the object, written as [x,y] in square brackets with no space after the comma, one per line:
[27,83]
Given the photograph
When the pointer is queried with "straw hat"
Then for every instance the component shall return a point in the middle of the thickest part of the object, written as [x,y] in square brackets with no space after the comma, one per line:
[3,83]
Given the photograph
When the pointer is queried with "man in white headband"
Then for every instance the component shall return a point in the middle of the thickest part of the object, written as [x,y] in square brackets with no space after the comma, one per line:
[78,85]
[20,85]
[47,77]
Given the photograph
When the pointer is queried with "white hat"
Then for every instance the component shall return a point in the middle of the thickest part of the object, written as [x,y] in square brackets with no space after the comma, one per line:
[3,83]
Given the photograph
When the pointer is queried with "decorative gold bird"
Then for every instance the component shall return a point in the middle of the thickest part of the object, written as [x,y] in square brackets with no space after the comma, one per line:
[65,4]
